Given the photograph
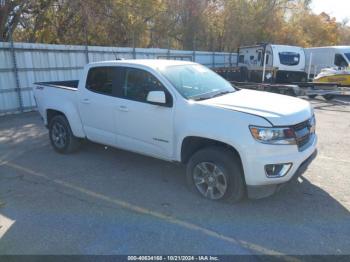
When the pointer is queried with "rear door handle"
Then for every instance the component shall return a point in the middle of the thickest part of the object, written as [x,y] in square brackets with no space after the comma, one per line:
[123,108]
[85,101]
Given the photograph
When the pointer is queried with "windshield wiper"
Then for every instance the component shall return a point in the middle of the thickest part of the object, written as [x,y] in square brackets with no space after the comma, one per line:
[221,93]
[199,98]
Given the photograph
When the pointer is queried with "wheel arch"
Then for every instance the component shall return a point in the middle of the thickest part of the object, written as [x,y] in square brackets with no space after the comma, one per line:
[74,121]
[192,144]
[51,113]
[217,150]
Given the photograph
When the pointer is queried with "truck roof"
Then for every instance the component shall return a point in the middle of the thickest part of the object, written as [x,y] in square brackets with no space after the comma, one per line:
[152,63]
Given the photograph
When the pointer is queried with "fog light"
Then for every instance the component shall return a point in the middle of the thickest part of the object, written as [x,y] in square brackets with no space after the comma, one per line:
[277,170]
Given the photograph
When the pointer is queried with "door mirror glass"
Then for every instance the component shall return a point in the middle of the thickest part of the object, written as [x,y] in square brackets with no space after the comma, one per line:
[156,97]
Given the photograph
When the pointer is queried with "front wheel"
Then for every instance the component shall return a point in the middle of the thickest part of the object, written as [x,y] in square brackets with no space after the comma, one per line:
[216,174]
[61,135]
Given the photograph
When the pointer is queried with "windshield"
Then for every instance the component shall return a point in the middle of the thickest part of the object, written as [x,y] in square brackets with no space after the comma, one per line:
[289,58]
[347,56]
[196,82]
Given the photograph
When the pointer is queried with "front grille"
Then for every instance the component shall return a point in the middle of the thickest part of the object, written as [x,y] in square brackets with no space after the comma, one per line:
[302,134]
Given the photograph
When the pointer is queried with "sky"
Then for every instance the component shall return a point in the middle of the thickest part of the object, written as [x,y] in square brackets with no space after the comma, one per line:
[339,9]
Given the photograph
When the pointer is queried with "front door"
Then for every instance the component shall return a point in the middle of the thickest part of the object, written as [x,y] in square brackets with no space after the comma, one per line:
[143,127]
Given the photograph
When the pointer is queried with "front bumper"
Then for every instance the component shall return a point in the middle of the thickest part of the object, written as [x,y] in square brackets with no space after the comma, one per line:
[262,191]
[254,162]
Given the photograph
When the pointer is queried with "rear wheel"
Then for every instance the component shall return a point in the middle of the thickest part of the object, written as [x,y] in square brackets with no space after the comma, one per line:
[216,174]
[61,135]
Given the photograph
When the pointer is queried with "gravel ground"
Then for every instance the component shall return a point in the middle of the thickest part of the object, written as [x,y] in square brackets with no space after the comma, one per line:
[108,201]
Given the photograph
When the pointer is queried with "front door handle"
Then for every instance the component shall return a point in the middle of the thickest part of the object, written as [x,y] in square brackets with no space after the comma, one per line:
[123,108]
[85,101]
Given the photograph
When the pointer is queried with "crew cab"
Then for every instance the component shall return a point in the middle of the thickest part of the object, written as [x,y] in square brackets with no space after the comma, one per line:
[234,142]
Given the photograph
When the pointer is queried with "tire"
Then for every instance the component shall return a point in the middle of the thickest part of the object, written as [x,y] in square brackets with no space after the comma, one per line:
[312,96]
[228,172]
[61,135]
[328,97]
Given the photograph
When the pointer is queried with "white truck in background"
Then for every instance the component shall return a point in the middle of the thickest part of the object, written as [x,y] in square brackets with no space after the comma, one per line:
[233,141]
[318,58]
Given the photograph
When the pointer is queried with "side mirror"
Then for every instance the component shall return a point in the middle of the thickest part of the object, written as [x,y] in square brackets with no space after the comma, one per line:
[156,97]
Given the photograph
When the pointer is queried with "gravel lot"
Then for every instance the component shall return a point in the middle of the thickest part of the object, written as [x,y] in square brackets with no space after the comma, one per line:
[108,201]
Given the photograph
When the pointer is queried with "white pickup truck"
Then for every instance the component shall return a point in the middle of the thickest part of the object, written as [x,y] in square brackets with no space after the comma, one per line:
[234,142]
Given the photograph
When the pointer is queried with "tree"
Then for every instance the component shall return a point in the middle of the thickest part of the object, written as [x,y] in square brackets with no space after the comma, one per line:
[214,25]
[11,12]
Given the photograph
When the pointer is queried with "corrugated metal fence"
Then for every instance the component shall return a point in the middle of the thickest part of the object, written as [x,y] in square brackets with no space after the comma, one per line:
[22,64]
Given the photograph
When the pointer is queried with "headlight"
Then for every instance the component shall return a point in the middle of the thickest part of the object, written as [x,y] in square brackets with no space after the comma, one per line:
[273,135]
[312,124]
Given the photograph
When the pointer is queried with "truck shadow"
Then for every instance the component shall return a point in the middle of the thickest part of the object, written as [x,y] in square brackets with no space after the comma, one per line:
[302,212]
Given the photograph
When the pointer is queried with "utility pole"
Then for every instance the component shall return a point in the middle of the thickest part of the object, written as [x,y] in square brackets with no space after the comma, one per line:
[264,67]
[85,32]
[168,52]
[133,45]
[15,71]
[194,49]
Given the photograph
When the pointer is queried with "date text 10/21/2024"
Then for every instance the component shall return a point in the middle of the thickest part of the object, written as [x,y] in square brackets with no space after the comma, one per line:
[173,258]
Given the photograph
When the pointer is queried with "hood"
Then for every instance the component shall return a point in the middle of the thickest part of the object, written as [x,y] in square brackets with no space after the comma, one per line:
[280,110]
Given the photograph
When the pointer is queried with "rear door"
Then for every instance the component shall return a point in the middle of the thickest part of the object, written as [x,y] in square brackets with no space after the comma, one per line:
[98,104]
[143,127]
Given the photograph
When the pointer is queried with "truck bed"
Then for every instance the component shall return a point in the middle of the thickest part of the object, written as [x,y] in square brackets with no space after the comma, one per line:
[68,84]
